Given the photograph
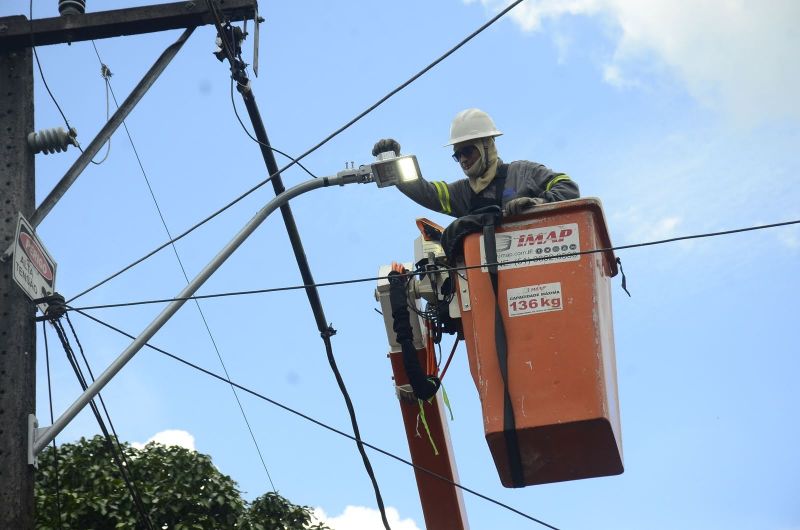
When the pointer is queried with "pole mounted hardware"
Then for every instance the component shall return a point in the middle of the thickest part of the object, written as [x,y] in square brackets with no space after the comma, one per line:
[71,7]
[53,140]
[18,32]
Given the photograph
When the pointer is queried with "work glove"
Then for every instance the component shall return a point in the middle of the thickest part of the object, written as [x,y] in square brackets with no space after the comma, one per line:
[521,205]
[389,144]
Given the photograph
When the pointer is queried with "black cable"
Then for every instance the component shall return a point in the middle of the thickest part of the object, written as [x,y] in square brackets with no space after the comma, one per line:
[116,451]
[326,331]
[41,72]
[70,130]
[326,337]
[52,420]
[320,423]
[247,132]
[99,396]
[310,150]
[113,444]
[442,269]
[173,240]
[186,276]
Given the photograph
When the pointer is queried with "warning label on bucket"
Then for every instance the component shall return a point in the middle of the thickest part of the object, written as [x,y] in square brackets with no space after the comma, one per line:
[536,246]
[533,299]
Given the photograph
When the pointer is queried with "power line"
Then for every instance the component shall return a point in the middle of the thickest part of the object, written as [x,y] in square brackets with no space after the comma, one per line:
[52,419]
[247,132]
[114,447]
[41,71]
[443,269]
[70,130]
[326,331]
[105,73]
[186,276]
[320,423]
[310,150]
[118,452]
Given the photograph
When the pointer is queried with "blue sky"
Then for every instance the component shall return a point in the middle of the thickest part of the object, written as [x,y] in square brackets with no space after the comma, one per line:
[682,118]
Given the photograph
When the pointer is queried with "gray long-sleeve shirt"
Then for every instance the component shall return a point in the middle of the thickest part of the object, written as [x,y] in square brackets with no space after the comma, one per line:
[524,179]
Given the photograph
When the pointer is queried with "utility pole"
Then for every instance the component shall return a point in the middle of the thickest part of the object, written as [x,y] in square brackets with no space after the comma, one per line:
[17,182]
[17,326]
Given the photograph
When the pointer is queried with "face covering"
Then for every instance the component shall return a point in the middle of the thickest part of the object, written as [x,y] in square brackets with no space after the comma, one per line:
[483,171]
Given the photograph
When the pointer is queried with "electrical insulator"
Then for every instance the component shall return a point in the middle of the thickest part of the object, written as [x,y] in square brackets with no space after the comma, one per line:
[72,7]
[50,141]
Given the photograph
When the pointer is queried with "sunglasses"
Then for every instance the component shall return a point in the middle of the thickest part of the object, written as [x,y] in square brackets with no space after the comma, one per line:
[466,151]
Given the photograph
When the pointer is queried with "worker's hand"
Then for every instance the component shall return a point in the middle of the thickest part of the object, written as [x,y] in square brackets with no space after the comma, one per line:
[397,274]
[389,144]
[521,205]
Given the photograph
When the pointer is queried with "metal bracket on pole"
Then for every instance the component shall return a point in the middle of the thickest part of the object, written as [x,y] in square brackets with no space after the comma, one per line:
[34,433]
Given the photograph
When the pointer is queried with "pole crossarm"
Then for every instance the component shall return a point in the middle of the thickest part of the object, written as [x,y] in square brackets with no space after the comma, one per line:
[19,32]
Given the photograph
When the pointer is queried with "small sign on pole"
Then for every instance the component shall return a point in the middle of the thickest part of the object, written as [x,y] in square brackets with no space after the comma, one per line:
[34,268]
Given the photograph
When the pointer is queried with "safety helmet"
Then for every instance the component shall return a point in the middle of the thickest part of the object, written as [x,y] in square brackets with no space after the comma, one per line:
[471,124]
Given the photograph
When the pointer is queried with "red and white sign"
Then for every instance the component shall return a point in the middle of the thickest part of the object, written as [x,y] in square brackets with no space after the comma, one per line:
[536,246]
[533,299]
[34,269]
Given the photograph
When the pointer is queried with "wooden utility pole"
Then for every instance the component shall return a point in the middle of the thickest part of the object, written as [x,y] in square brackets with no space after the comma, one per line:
[17,180]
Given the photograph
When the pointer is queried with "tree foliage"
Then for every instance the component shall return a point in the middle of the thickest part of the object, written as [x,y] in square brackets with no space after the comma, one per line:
[180,489]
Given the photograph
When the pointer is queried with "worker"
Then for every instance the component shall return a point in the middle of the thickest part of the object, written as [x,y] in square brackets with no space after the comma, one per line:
[515,187]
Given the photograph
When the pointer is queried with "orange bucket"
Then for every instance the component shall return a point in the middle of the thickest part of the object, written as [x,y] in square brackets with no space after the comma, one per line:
[556,311]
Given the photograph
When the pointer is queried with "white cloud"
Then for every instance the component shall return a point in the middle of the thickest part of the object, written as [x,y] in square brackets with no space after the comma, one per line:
[170,437]
[363,518]
[664,228]
[735,56]
[790,237]
[613,76]
[645,225]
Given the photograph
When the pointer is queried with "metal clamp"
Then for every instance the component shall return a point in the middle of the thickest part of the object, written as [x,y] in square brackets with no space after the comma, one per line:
[34,433]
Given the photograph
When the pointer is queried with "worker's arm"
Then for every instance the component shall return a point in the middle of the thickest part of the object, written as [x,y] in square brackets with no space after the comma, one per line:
[438,196]
[535,180]
[560,187]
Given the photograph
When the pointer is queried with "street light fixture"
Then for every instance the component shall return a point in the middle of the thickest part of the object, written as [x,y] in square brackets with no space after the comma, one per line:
[386,171]
[391,170]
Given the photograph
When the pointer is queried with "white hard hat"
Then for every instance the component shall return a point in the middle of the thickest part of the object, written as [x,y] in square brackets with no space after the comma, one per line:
[471,124]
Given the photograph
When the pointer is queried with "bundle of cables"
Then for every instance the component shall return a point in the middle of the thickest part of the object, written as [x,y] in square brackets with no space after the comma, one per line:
[424,386]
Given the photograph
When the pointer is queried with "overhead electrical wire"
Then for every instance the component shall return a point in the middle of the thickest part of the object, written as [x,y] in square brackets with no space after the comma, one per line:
[126,470]
[326,330]
[52,419]
[114,447]
[41,71]
[247,132]
[442,269]
[308,151]
[321,424]
[70,129]
[105,73]
[186,276]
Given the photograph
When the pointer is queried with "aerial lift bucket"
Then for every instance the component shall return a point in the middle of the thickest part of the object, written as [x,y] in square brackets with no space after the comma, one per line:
[561,373]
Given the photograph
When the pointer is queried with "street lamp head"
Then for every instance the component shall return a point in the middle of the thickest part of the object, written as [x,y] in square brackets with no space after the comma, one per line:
[392,170]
